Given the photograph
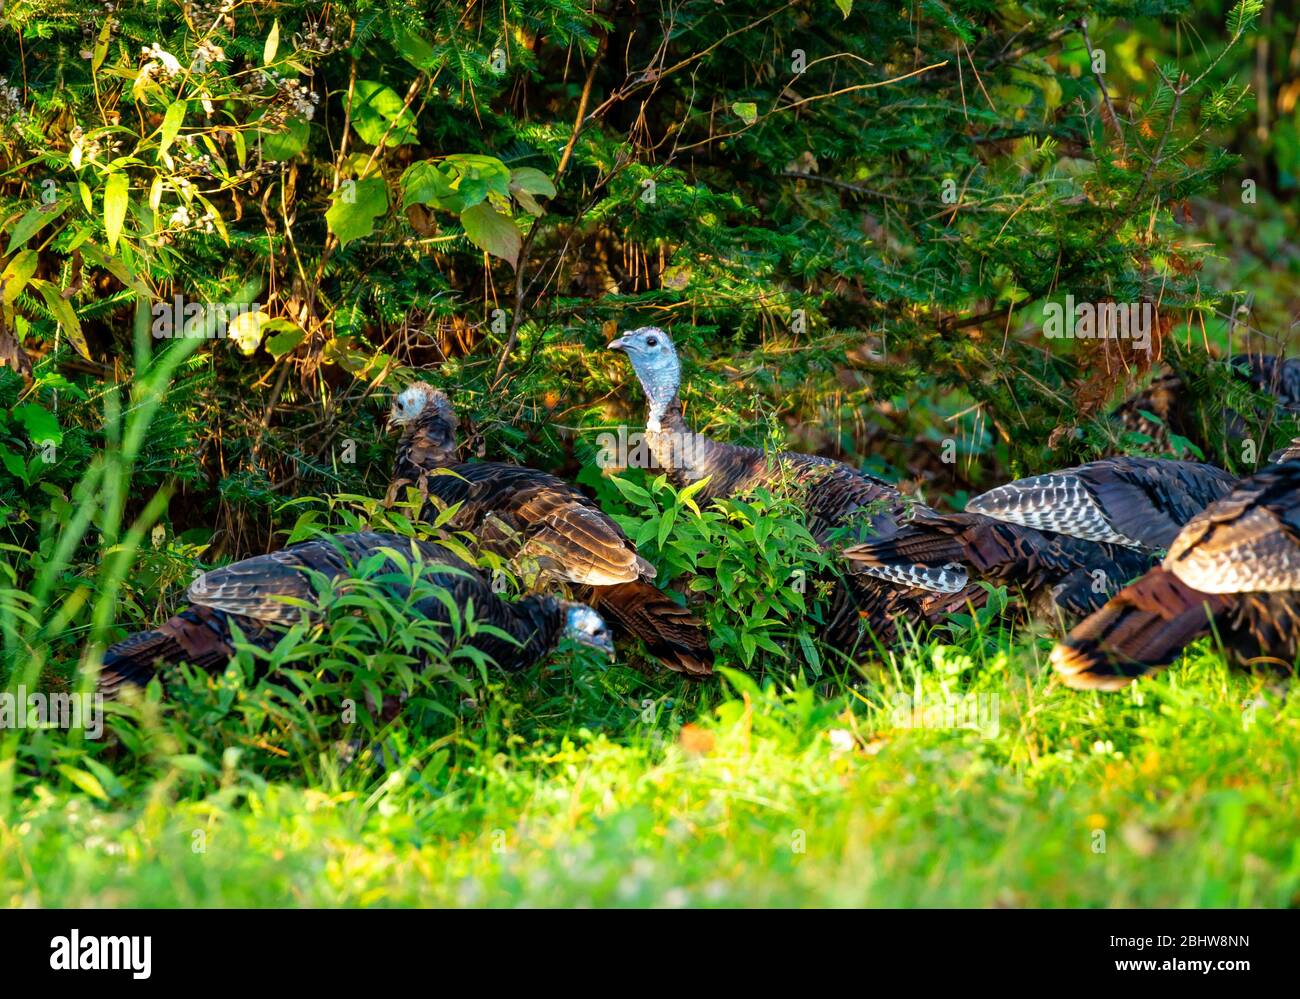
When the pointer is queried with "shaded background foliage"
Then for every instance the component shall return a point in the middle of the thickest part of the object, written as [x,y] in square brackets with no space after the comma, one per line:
[850,215]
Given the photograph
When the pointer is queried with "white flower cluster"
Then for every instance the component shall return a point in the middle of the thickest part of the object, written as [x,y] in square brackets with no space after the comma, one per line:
[10,100]
[160,63]
[206,54]
[320,39]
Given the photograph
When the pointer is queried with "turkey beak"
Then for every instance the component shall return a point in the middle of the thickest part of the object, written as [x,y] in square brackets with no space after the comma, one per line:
[601,643]
[619,344]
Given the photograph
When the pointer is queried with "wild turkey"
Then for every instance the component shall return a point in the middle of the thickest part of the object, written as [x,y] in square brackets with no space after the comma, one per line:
[1073,537]
[1169,399]
[252,595]
[541,522]
[837,498]
[1289,453]
[1235,566]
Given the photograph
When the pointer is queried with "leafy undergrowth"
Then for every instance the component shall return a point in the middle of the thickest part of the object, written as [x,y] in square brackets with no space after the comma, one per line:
[954,775]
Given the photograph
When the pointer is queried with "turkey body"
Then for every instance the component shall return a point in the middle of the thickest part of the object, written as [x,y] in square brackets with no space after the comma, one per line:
[1235,568]
[545,526]
[1169,399]
[839,501]
[1070,538]
[251,595]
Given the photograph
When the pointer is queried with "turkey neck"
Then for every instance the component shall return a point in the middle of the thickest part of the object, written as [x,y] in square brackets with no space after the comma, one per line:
[419,450]
[688,457]
[535,622]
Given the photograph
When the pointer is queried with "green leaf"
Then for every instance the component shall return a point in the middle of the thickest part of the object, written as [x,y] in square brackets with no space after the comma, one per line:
[65,314]
[192,763]
[286,337]
[272,43]
[116,197]
[285,143]
[17,273]
[33,222]
[14,465]
[746,111]
[101,45]
[456,182]
[845,6]
[171,125]
[87,782]
[414,49]
[493,232]
[353,216]
[375,108]
[39,423]
[527,182]
[533,181]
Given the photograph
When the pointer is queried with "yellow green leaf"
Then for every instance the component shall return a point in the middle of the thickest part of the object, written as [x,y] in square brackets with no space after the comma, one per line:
[272,43]
[62,310]
[17,273]
[171,125]
[116,197]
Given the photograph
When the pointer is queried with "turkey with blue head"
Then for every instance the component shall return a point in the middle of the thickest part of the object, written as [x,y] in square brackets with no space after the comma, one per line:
[837,499]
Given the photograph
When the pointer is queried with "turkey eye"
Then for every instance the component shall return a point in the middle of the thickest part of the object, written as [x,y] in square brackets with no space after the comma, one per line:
[652,342]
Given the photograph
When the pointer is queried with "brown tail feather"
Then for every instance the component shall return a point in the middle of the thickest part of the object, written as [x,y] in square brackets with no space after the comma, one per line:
[1139,630]
[196,636]
[671,633]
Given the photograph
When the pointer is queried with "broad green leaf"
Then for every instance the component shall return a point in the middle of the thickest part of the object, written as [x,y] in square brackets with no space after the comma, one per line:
[39,423]
[116,197]
[101,45]
[526,182]
[533,181]
[845,6]
[353,215]
[192,763]
[14,465]
[375,108]
[746,111]
[414,49]
[285,143]
[486,171]
[86,781]
[455,183]
[429,183]
[493,232]
[282,336]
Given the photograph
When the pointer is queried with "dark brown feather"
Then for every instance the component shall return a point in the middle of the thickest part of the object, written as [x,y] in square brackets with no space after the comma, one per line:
[539,521]
[1237,562]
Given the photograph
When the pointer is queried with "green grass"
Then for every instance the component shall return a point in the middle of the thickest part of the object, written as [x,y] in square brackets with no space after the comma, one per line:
[581,785]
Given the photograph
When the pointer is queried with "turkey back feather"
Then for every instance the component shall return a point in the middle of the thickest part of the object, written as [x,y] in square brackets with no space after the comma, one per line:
[537,520]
